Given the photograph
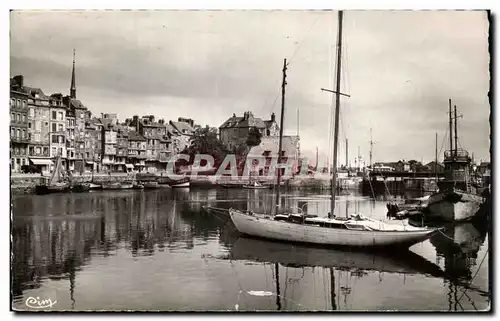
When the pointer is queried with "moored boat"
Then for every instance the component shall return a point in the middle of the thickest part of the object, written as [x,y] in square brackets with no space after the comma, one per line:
[80,187]
[180,183]
[56,183]
[356,231]
[117,186]
[256,185]
[150,185]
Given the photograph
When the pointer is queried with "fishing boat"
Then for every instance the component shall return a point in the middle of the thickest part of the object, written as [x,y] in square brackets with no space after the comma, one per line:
[56,183]
[354,231]
[94,186]
[457,198]
[117,186]
[80,187]
[150,185]
[180,183]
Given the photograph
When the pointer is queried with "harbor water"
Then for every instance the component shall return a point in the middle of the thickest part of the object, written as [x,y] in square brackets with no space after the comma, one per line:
[149,250]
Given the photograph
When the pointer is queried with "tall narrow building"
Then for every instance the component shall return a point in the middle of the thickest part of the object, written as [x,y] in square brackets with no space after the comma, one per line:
[72,90]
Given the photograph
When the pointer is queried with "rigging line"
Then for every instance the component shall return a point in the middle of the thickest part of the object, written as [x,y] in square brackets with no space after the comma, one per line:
[477,271]
[303,38]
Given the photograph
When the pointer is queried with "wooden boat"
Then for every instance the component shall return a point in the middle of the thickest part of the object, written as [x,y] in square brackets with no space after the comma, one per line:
[408,207]
[94,186]
[80,187]
[150,185]
[354,231]
[180,183]
[457,198]
[117,186]
[56,183]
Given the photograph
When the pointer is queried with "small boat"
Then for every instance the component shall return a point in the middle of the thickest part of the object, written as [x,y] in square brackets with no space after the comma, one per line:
[80,187]
[150,185]
[180,183]
[231,185]
[408,207]
[56,183]
[255,185]
[116,186]
[94,186]
[138,186]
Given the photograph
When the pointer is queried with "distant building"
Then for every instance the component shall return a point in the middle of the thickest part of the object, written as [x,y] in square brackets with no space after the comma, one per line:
[234,131]
[269,148]
[434,167]
[19,131]
[184,130]
[109,140]
[136,151]
[57,127]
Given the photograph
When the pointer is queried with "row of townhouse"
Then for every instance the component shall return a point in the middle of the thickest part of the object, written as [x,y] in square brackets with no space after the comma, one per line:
[44,127]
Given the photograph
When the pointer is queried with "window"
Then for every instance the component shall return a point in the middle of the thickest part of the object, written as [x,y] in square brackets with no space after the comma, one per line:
[60,152]
[12,102]
[54,139]
[19,117]
[46,124]
[24,133]
[24,104]
[16,151]
[32,150]
[60,115]
[45,150]
[12,117]
[54,127]
[60,127]
[54,151]
[18,161]
[22,162]
[29,125]
[18,133]
[81,115]
[37,137]
[54,115]
[88,155]
[61,139]
[24,118]
[12,132]
[18,105]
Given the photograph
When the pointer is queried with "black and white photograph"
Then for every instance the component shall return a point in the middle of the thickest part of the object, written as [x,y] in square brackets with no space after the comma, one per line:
[332,160]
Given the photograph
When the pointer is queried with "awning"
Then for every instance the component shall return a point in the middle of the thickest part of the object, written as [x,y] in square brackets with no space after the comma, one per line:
[41,161]
[130,166]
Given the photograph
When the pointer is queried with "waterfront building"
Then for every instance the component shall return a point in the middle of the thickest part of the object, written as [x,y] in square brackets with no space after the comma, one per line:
[269,147]
[92,146]
[70,139]
[184,130]
[156,141]
[109,135]
[19,131]
[121,161]
[39,129]
[234,131]
[57,127]
[136,151]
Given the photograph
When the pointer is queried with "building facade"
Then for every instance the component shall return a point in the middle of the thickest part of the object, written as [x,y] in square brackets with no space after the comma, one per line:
[136,151]
[57,128]
[234,131]
[19,131]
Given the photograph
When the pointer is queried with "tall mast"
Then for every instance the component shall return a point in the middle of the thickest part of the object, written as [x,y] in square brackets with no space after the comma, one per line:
[337,108]
[346,154]
[456,134]
[283,84]
[371,148]
[436,158]
[451,130]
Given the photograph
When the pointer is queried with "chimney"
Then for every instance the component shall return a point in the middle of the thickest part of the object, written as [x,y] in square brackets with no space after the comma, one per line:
[152,118]
[273,117]
[136,123]
[191,122]
[245,115]
[19,80]
[234,115]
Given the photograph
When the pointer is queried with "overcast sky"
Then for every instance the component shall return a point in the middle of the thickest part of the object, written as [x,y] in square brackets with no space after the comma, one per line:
[400,69]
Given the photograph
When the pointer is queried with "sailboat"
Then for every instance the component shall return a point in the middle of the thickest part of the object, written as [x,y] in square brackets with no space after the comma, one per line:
[354,231]
[55,183]
[457,198]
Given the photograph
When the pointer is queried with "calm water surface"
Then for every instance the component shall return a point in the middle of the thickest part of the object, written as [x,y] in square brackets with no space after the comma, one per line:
[159,250]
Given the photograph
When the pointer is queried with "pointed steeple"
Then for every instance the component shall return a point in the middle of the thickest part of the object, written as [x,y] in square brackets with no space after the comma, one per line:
[72,90]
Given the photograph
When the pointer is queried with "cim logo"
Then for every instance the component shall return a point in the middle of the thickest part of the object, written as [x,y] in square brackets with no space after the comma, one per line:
[36,303]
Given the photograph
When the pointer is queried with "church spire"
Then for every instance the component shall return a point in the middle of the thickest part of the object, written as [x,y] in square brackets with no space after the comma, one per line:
[72,90]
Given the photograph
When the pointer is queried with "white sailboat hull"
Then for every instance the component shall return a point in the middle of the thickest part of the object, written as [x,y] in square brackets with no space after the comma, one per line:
[304,233]
[181,185]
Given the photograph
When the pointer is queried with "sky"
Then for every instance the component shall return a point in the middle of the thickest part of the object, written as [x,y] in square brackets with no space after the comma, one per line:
[399,68]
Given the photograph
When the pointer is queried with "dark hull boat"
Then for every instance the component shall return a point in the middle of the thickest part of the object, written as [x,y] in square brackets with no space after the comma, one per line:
[80,188]
[49,189]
